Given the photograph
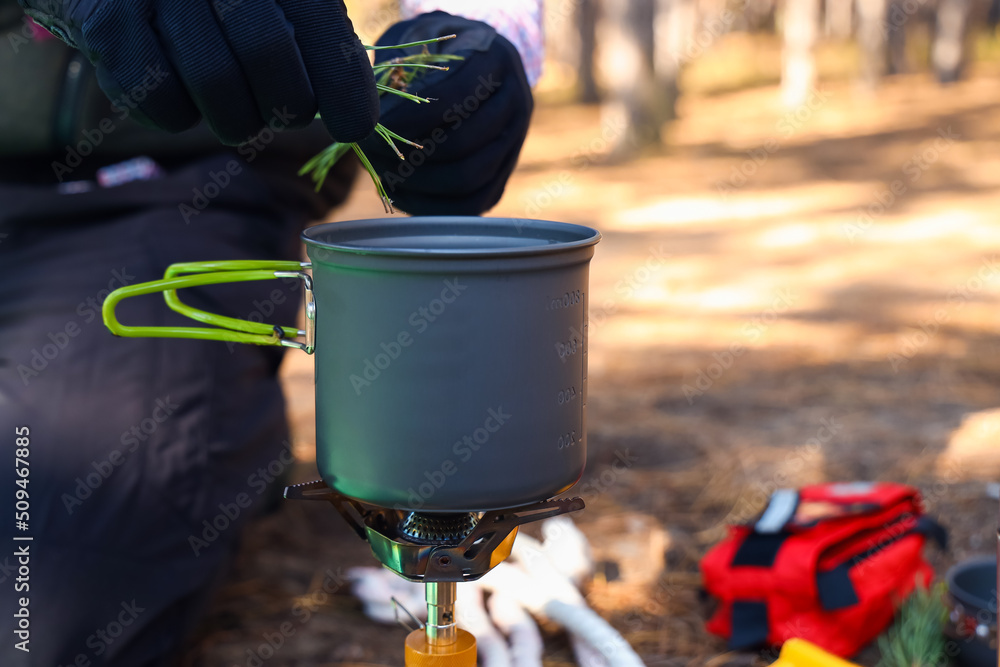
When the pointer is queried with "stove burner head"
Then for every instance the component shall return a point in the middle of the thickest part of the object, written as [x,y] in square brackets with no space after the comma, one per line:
[435,548]
[437,528]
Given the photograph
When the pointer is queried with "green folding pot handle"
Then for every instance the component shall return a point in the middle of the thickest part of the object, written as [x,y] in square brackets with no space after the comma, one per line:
[196,274]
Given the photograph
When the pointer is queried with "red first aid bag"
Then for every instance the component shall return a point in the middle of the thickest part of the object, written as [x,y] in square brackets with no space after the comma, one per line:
[828,563]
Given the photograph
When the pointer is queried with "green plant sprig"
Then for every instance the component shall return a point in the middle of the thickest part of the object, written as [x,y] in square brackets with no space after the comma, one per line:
[443,38]
[399,71]
[391,64]
[402,93]
[916,638]
[389,135]
[402,70]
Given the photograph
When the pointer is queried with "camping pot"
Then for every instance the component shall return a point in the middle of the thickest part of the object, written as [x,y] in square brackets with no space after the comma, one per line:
[450,354]
[972,611]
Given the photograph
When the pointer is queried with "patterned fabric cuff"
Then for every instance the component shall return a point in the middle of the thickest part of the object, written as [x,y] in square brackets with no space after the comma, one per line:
[520,21]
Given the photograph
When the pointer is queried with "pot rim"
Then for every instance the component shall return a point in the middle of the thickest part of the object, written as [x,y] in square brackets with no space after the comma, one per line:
[355,236]
[967,597]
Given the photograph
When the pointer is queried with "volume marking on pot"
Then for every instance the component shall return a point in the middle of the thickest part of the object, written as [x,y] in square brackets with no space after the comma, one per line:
[567,348]
[566,300]
[566,440]
[564,396]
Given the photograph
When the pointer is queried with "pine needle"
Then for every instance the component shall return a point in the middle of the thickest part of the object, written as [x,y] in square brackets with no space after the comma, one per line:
[319,166]
[390,64]
[383,195]
[400,70]
[916,638]
[382,133]
[409,44]
[402,93]
[389,133]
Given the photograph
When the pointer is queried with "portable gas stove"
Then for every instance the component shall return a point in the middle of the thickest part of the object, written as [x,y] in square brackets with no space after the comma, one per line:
[529,279]
[438,550]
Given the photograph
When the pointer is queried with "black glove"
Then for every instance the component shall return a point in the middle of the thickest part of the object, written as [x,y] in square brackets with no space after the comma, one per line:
[473,132]
[240,64]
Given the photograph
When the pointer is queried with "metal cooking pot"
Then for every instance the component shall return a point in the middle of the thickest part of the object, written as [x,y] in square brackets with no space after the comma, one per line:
[451,354]
[972,611]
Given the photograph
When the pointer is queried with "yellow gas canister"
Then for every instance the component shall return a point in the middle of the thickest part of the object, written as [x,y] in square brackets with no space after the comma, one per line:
[800,653]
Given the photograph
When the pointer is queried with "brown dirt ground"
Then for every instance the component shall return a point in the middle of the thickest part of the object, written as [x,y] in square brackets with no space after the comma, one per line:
[826,309]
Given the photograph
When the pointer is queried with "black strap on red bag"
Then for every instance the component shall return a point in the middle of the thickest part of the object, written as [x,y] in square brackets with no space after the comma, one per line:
[828,563]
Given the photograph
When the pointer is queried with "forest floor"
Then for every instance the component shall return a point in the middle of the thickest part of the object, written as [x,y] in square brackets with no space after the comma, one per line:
[779,298]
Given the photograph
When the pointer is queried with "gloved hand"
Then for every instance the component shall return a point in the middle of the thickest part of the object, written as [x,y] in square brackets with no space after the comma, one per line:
[241,65]
[473,132]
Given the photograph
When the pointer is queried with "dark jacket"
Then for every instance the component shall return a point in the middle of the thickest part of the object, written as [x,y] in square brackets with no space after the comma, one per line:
[51,107]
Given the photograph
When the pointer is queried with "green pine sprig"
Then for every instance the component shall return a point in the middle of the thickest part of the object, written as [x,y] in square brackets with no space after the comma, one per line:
[916,638]
[392,77]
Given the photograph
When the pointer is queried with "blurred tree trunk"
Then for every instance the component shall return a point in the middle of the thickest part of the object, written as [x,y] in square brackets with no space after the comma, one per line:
[894,34]
[839,18]
[642,95]
[674,28]
[798,67]
[872,36]
[950,27]
[758,15]
[562,42]
[586,23]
